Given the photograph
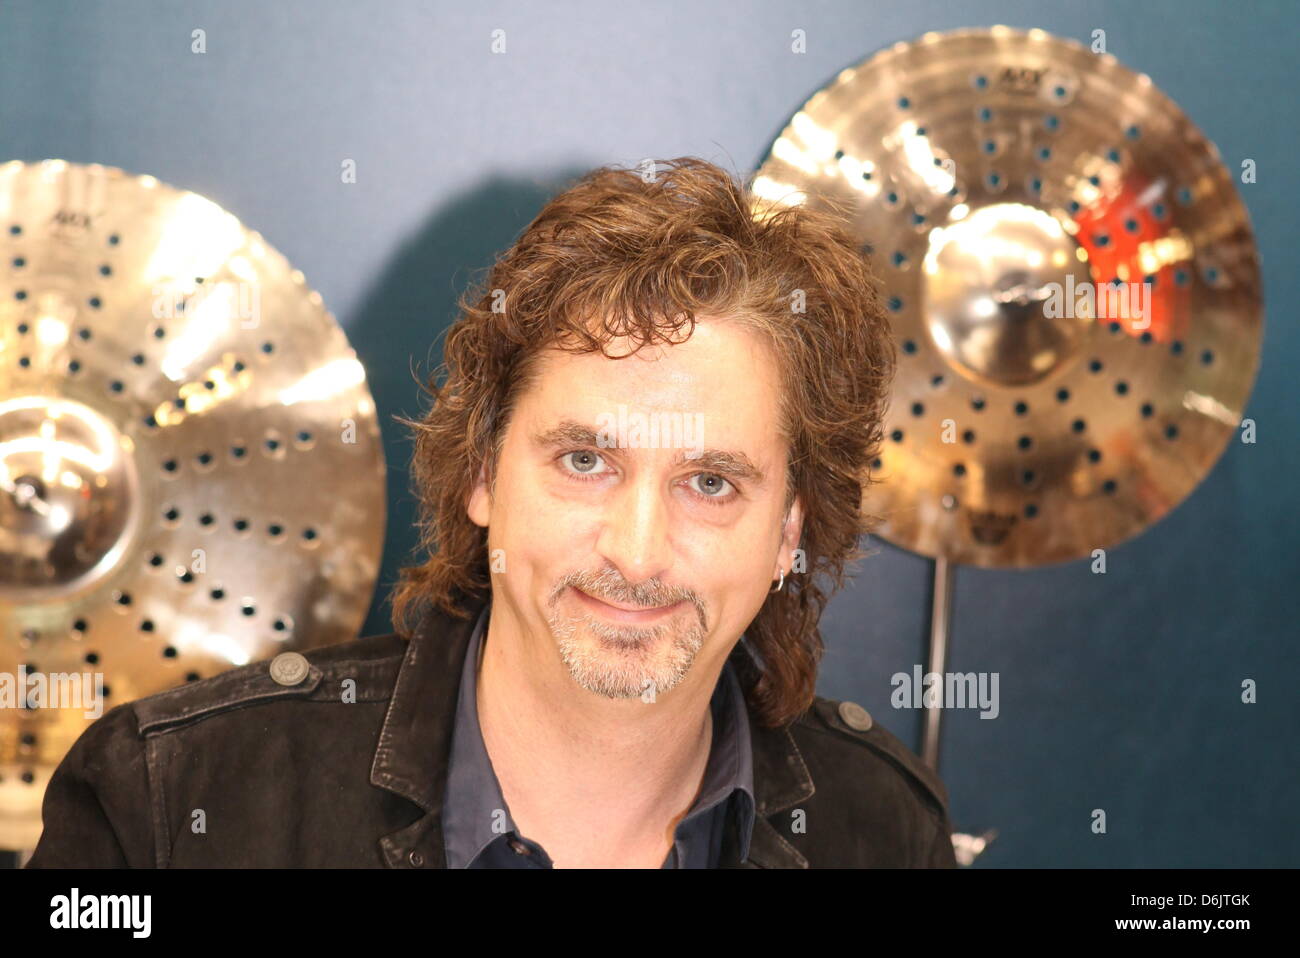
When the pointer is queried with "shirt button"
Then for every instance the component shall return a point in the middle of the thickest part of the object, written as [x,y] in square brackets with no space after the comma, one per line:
[416,859]
[289,668]
[855,716]
[519,847]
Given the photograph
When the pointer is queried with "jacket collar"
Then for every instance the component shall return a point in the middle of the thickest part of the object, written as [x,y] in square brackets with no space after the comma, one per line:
[414,752]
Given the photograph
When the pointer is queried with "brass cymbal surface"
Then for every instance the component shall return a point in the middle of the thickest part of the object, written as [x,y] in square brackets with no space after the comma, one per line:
[1071,277]
[191,469]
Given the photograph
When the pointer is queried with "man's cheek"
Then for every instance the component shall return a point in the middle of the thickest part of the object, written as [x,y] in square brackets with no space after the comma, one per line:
[564,510]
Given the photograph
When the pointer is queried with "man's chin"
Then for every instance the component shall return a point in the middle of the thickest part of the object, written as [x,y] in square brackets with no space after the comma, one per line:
[616,662]
[624,662]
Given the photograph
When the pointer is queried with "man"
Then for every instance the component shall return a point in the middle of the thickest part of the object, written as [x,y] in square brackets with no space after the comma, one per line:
[640,480]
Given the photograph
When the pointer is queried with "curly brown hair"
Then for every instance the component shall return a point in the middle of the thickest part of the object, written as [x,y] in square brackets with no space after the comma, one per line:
[638,253]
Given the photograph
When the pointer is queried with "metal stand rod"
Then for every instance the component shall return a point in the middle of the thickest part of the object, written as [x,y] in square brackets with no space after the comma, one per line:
[966,846]
[940,610]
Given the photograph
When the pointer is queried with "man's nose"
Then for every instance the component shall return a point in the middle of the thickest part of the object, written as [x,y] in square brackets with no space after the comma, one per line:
[634,537]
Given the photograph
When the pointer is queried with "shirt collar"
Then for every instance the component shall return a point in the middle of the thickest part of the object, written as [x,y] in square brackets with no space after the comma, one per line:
[475,812]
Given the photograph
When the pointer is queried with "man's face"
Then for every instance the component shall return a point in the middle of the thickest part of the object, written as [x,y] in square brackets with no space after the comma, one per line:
[638,507]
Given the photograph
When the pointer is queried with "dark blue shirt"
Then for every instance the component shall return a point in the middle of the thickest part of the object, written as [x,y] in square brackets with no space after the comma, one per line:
[478,831]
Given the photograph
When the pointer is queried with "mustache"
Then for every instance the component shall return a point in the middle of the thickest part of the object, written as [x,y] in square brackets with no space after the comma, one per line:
[609,584]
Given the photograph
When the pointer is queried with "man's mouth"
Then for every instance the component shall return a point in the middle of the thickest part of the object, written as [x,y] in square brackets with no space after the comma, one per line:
[623,612]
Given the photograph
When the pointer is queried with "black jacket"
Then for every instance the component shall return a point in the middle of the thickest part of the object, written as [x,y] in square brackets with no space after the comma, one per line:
[346,767]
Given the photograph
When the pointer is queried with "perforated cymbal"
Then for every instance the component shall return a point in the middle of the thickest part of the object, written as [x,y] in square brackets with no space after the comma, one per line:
[191,472]
[1072,280]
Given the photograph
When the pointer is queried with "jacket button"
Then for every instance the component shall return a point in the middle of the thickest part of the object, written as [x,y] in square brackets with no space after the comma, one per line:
[416,860]
[519,847]
[855,716]
[289,668]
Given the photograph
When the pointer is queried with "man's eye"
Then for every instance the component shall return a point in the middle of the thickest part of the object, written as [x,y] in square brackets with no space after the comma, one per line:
[582,461]
[711,486]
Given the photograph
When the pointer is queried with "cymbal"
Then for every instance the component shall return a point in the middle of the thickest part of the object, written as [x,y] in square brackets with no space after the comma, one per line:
[191,469]
[1071,277]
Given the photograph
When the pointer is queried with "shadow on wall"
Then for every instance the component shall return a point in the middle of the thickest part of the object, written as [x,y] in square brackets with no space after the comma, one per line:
[399,327]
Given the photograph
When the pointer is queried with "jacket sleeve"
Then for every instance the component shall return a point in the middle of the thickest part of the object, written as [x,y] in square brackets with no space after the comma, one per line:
[941,854]
[97,811]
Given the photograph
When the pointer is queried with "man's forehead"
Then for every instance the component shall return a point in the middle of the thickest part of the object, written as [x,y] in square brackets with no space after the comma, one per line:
[722,371]
[715,354]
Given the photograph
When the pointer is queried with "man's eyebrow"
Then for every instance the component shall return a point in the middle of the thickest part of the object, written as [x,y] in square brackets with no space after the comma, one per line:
[567,433]
[724,462]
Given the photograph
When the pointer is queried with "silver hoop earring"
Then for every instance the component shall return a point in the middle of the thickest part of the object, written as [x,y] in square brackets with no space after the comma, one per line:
[779,584]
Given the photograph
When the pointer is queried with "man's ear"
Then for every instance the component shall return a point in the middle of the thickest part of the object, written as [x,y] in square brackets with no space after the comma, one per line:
[791,533]
[479,506]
